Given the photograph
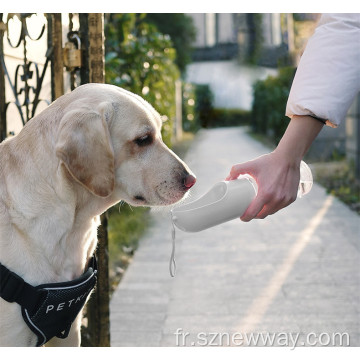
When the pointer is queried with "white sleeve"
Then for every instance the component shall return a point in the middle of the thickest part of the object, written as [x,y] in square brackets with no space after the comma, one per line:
[328,76]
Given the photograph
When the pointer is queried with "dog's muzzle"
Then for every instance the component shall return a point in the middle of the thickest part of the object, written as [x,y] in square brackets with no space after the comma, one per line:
[48,309]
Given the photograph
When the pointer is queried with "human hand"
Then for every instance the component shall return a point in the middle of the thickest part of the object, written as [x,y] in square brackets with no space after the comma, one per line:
[277,178]
[278,173]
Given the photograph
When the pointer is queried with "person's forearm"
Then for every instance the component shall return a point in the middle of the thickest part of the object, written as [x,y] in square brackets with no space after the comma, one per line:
[299,135]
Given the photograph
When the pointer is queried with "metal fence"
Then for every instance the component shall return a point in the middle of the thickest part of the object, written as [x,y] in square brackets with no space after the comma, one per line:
[72,53]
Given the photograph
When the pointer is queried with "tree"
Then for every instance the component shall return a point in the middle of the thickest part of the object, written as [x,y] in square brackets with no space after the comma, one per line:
[141,59]
[182,32]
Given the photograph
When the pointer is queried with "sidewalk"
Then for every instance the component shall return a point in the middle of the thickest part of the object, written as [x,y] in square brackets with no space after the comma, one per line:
[297,271]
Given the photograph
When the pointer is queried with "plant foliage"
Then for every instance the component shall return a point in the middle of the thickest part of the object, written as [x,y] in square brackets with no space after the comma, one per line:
[269,103]
[142,60]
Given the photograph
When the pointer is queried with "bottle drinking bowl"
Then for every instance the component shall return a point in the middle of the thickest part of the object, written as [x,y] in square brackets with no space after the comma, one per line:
[226,200]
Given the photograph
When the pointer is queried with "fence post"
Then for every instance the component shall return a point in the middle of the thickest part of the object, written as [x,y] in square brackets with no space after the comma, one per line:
[57,63]
[98,312]
[3,130]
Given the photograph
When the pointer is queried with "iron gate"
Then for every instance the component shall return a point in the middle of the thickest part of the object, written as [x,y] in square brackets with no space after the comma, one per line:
[30,80]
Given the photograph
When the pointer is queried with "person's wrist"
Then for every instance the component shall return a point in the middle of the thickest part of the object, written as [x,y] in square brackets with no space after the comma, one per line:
[287,156]
[297,138]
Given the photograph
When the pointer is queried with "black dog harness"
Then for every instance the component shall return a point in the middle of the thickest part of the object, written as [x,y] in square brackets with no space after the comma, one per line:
[48,309]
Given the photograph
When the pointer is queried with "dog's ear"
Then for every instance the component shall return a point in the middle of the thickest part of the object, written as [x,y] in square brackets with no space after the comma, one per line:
[84,145]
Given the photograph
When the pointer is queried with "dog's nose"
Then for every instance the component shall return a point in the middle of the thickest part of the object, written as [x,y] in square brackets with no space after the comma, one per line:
[189,181]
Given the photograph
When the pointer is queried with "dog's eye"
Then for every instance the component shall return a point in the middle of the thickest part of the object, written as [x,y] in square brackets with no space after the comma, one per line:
[144,140]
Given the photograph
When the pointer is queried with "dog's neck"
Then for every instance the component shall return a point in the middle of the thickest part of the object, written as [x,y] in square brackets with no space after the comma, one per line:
[51,222]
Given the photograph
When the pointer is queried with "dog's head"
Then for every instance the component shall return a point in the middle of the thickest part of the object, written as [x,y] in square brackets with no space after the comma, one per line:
[110,142]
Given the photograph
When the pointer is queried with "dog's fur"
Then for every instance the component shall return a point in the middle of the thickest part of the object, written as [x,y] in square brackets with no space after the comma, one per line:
[87,151]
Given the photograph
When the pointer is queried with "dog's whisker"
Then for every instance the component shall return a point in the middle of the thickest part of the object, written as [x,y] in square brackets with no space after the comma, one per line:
[122,202]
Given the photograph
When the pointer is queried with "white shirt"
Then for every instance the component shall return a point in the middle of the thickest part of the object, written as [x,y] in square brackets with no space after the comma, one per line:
[328,76]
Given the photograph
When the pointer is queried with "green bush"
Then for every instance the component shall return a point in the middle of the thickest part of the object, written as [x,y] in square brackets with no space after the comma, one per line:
[197,106]
[255,25]
[269,103]
[189,114]
[203,104]
[342,183]
[182,31]
[142,60]
[198,110]
[229,117]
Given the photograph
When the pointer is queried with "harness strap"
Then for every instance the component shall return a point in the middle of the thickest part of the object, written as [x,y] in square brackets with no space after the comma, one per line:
[14,289]
[48,309]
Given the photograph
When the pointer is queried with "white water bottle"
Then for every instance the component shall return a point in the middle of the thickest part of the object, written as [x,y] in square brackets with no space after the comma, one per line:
[306,180]
[226,200]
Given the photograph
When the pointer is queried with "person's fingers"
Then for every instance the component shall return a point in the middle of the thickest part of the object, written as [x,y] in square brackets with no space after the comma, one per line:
[264,212]
[240,169]
[256,206]
[267,202]
[282,204]
[277,185]
[277,202]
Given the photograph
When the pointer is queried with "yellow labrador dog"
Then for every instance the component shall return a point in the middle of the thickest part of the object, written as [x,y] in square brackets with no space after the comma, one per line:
[87,151]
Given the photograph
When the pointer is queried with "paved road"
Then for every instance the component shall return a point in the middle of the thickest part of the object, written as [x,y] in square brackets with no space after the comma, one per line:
[296,272]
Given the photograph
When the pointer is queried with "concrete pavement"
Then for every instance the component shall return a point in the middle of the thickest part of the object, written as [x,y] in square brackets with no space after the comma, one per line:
[296,272]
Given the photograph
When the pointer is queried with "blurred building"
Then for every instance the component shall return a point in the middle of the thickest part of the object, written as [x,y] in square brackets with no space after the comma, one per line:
[216,36]
[262,39]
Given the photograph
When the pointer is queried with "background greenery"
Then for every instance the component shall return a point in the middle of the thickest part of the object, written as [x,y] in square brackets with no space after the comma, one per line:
[126,225]
[269,103]
[142,60]
[199,111]
[182,32]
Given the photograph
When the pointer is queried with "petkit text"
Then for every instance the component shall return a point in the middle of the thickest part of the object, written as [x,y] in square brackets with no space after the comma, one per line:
[66,304]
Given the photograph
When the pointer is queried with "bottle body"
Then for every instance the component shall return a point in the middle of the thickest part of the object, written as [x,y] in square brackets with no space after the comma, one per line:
[225,201]
[306,180]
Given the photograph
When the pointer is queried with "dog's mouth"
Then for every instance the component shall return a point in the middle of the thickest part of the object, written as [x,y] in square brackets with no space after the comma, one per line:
[172,197]
[140,200]
[166,193]
[161,199]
